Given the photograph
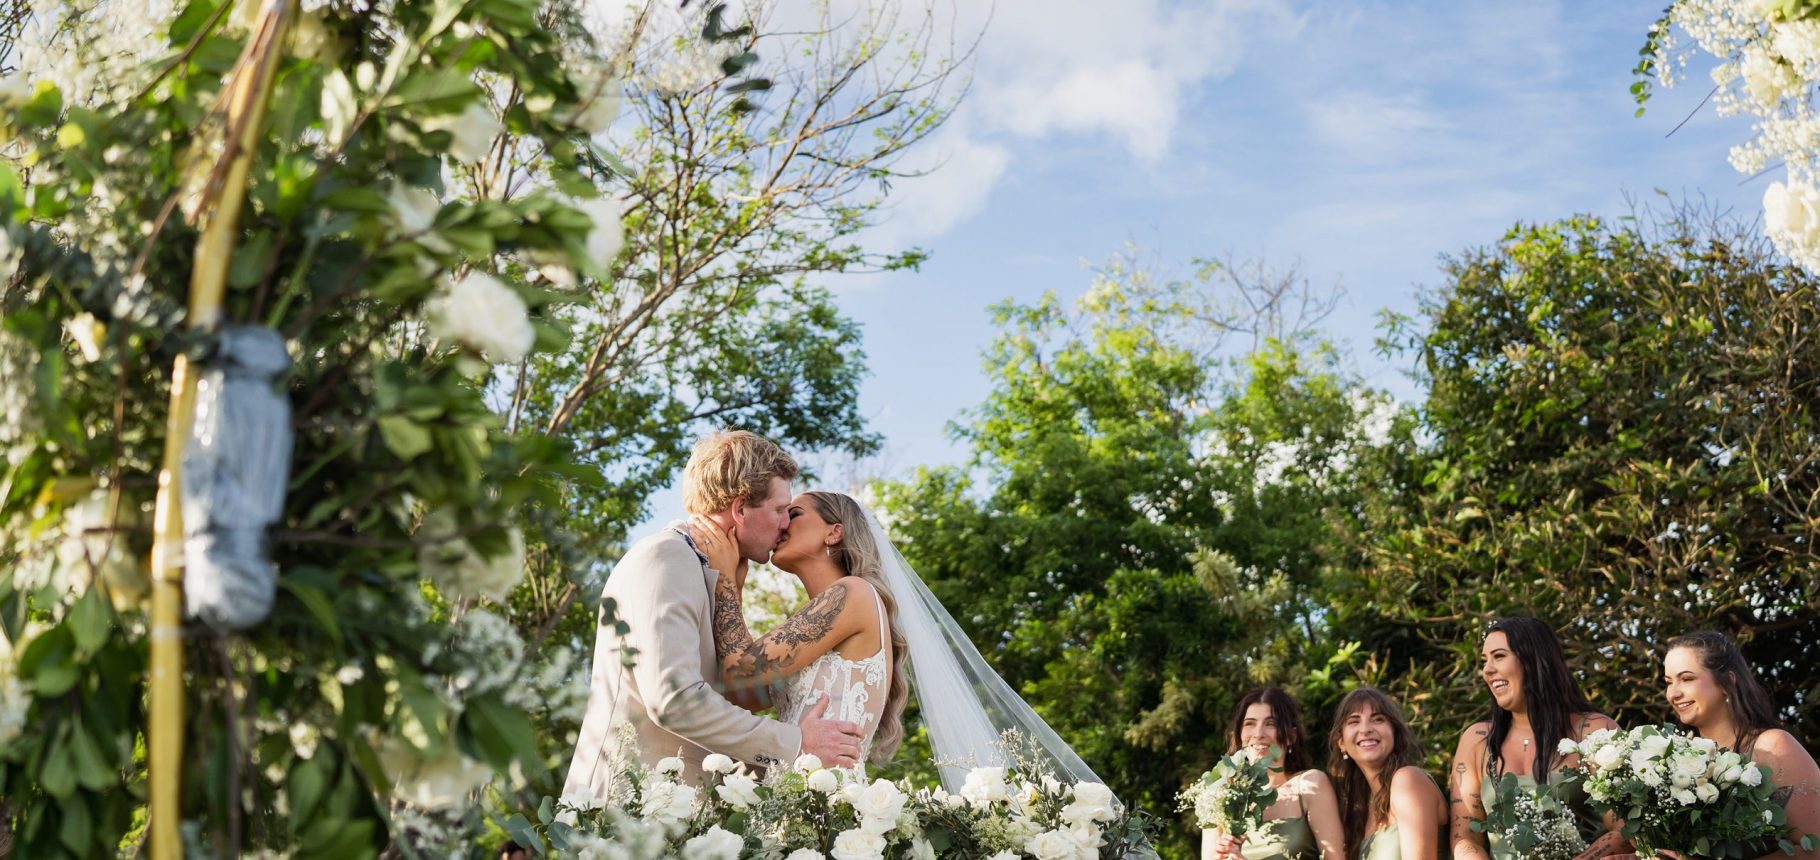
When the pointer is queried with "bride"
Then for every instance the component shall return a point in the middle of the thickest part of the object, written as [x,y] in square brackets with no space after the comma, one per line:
[870,633]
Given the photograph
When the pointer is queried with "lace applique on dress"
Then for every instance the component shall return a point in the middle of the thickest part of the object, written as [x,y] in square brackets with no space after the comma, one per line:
[856,689]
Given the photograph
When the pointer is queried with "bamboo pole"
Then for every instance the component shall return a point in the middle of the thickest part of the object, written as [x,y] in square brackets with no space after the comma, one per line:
[219,202]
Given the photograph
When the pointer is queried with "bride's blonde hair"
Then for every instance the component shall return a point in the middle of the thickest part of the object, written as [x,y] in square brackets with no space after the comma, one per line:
[858,554]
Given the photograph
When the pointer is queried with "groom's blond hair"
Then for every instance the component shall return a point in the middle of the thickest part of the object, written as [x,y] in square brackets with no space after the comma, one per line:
[734,464]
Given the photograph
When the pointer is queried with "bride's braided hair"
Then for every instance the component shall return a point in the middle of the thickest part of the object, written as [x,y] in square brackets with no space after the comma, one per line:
[858,554]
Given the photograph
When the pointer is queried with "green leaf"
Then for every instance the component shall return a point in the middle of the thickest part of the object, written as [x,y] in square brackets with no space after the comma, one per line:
[436,91]
[315,603]
[76,832]
[251,260]
[93,769]
[58,775]
[89,621]
[502,734]
[405,437]
[305,785]
[50,662]
[12,194]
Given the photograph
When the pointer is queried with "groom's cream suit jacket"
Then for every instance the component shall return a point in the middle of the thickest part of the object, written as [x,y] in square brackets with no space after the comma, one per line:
[663,591]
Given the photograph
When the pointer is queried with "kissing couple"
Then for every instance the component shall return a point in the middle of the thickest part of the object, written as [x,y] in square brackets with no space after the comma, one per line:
[677,672]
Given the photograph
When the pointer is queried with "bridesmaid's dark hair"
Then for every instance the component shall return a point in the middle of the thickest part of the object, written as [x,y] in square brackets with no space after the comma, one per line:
[1550,693]
[1290,735]
[1752,711]
[1349,780]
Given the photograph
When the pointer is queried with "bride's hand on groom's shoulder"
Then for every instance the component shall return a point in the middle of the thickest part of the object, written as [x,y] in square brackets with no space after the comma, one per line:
[719,546]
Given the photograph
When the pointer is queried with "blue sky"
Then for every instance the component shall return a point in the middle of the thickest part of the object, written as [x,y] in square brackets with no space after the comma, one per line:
[1362,140]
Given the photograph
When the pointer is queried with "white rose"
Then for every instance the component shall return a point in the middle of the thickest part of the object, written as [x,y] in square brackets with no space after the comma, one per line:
[415,208]
[739,791]
[1791,217]
[1766,77]
[858,845]
[882,800]
[1683,796]
[667,802]
[1608,756]
[823,781]
[986,785]
[15,703]
[807,761]
[1796,41]
[1568,746]
[481,312]
[717,763]
[1095,800]
[1653,745]
[608,235]
[1769,816]
[1052,845]
[88,333]
[1707,792]
[715,844]
[920,849]
[1003,855]
[1731,775]
[472,131]
[806,854]
[1752,777]
[439,782]
[599,97]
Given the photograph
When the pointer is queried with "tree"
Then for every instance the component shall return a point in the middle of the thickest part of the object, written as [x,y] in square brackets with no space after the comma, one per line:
[1623,422]
[382,690]
[1146,524]
[717,311]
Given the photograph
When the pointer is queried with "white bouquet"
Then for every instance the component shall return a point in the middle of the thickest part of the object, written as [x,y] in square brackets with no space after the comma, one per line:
[809,811]
[1681,793]
[1533,822]
[1232,797]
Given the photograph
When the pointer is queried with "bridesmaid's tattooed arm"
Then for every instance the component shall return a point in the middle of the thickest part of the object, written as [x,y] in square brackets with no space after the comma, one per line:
[1463,804]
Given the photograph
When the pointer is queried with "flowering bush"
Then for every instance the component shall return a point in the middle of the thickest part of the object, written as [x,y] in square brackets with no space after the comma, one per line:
[811,813]
[1769,63]
[388,684]
[1232,797]
[1533,822]
[1681,793]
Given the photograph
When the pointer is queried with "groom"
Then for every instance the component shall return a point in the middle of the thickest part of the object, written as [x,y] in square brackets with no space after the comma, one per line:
[663,590]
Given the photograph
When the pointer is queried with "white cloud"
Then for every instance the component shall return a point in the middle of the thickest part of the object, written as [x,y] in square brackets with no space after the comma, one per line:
[1122,69]
[1373,126]
[959,177]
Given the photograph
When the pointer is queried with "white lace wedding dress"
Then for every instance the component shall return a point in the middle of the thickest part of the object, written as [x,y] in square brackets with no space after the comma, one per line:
[856,689]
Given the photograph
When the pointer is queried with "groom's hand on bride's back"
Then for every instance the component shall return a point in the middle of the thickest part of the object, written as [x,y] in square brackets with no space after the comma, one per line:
[833,741]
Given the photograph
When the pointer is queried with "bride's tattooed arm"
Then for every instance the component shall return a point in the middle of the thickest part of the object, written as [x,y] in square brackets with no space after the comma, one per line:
[811,632]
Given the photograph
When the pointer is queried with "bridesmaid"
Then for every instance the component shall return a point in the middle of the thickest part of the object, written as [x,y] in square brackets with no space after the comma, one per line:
[1535,704]
[1305,822]
[1714,692]
[1392,808]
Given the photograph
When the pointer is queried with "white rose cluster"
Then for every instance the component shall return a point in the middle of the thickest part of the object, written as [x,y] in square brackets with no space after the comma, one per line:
[810,812]
[1682,784]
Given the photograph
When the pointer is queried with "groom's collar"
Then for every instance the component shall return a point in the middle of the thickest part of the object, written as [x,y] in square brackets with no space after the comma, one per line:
[681,527]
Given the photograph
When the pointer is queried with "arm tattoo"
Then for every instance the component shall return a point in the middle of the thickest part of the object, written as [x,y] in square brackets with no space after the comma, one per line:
[1601,846]
[779,652]
[730,630]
